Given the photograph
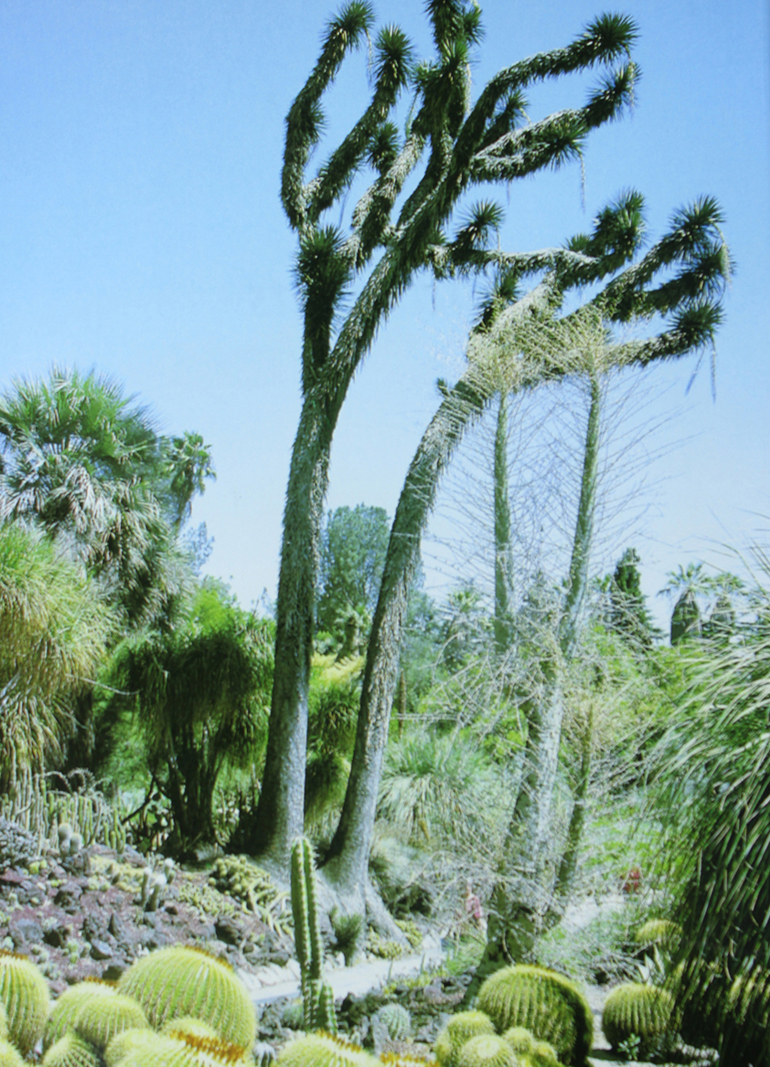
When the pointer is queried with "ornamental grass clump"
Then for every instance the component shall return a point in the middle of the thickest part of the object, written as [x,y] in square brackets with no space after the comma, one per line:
[544,1002]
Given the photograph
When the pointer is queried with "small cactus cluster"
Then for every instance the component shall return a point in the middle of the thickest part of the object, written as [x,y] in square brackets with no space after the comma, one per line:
[18,847]
[154,884]
[645,1012]
[526,1016]
[70,842]
[254,888]
[317,995]
[382,947]
[411,931]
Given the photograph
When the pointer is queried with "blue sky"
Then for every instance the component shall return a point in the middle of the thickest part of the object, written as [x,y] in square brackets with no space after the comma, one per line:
[142,235]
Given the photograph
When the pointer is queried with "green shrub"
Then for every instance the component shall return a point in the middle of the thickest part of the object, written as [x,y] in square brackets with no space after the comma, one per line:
[546,1003]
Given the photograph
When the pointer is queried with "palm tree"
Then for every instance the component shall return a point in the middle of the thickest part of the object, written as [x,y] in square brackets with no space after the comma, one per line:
[199,692]
[53,631]
[463,145]
[516,347]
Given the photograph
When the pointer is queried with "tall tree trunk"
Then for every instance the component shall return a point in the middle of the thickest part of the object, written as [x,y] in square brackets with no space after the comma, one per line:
[503,621]
[279,818]
[347,861]
[568,864]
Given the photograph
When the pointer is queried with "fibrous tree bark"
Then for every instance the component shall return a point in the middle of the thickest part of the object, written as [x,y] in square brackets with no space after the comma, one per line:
[519,346]
[463,145]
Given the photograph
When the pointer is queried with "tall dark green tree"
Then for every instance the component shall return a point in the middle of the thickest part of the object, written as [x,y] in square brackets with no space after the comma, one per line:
[629,615]
[450,145]
[353,546]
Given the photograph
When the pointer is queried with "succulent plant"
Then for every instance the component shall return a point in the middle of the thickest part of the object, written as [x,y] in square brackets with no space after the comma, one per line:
[68,1005]
[317,996]
[72,1051]
[18,847]
[396,1020]
[486,1050]
[382,947]
[9,1056]
[187,1024]
[132,1043]
[521,1040]
[546,1003]
[257,892]
[293,1015]
[101,1018]
[400,1059]
[3,1022]
[460,1028]
[324,1050]
[137,1048]
[24,992]
[541,1055]
[644,1011]
[182,980]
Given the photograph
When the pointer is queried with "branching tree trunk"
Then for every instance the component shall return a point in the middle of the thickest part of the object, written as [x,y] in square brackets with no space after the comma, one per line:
[465,145]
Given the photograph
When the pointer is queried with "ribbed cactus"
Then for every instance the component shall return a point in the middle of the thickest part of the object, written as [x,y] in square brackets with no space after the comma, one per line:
[3,1022]
[72,1051]
[460,1028]
[24,992]
[486,1050]
[186,1024]
[644,1011]
[662,932]
[403,1059]
[68,1005]
[544,1002]
[521,1040]
[317,995]
[396,1020]
[101,1018]
[541,1055]
[135,1048]
[324,1050]
[188,981]
[9,1056]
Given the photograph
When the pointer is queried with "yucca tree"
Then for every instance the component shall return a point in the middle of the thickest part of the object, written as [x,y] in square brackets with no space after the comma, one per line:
[450,145]
[53,631]
[517,346]
[713,771]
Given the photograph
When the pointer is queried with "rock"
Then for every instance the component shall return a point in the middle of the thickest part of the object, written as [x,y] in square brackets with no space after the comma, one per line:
[68,895]
[114,971]
[25,931]
[115,927]
[228,931]
[100,950]
[58,937]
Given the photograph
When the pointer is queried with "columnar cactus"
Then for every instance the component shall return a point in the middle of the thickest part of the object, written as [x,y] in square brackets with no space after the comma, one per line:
[644,1011]
[182,980]
[317,995]
[460,1028]
[544,1002]
[24,993]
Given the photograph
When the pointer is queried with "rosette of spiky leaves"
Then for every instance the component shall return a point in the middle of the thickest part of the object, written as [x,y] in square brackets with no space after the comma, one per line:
[460,1028]
[638,1010]
[547,1003]
[324,1050]
[24,992]
[9,1056]
[182,980]
[396,1020]
[72,1051]
[67,1006]
[486,1050]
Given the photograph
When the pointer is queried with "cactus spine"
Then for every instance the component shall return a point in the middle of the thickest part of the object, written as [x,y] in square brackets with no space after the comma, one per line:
[486,1050]
[641,1010]
[9,1056]
[24,992]
[72,1051]
[317,995]
[324,1050]
[460,1028]
[67,1007]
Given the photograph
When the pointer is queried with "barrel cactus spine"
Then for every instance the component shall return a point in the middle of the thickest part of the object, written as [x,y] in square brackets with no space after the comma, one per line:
[324,1050]
[543,1001]
[181,980]
[24,994]
[396,1020]
[67,1006]
[317,995]
[486,1050]
[72,1051]
[460,1028]
[638,1010]
[9,1056]
[101,1018]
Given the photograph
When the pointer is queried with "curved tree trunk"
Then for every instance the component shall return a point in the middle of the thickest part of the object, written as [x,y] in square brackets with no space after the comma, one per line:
[503,620]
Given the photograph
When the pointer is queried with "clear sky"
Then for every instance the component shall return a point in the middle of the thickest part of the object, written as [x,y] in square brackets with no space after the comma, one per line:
[142,235]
